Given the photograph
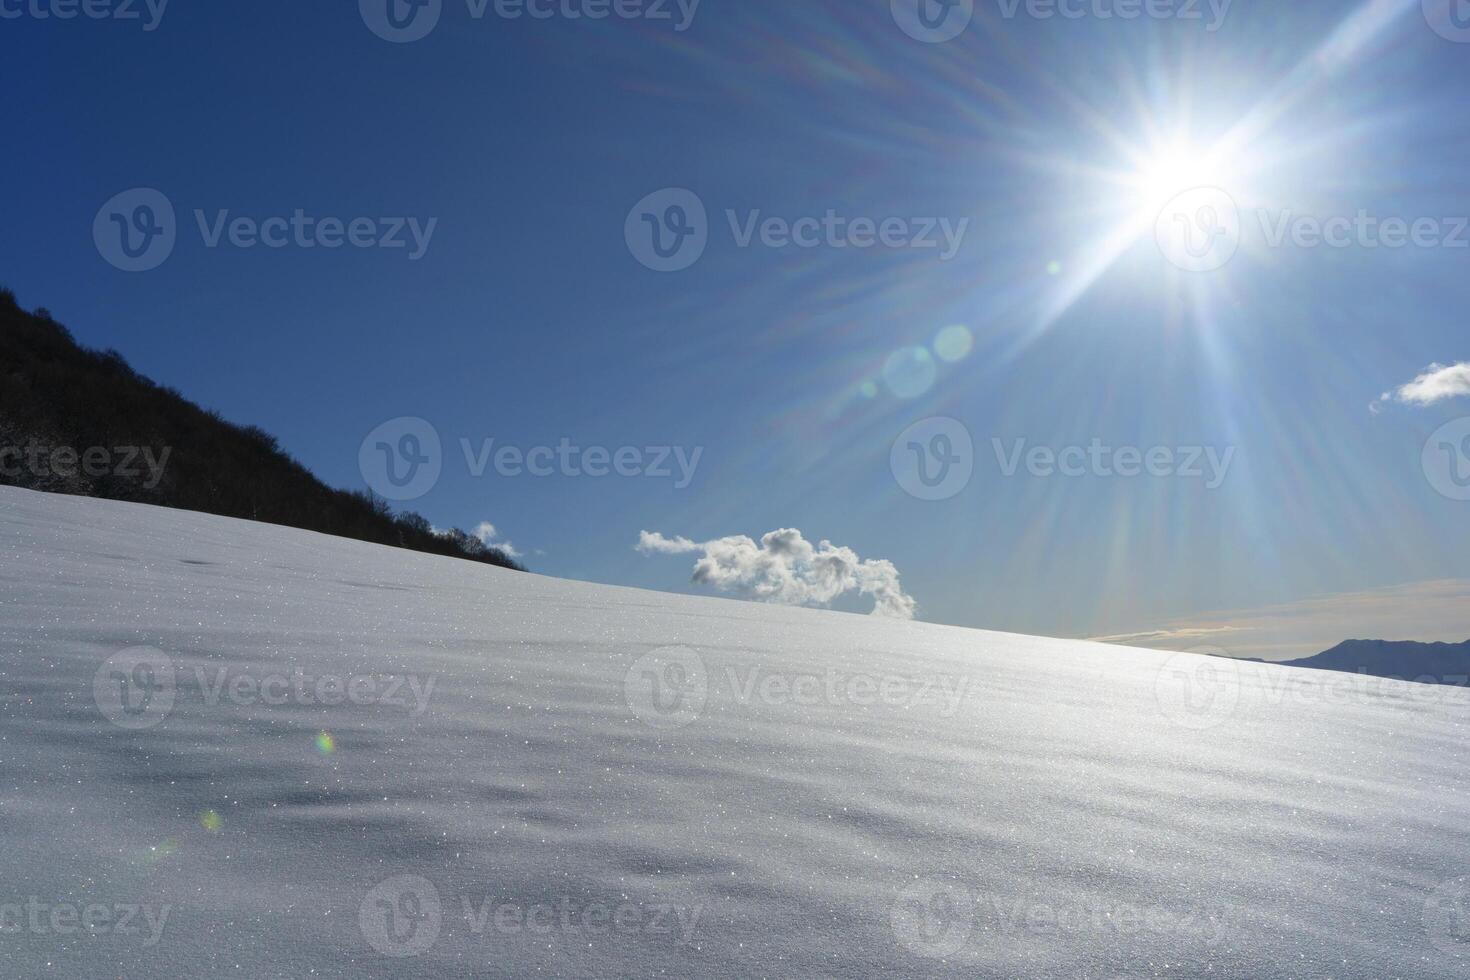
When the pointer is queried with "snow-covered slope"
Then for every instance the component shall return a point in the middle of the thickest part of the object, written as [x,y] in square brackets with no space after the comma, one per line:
[534,777]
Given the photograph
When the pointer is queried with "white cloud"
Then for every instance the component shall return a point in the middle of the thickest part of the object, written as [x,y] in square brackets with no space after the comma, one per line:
[788,569]
[653,543]
[487,534]
[1438,383]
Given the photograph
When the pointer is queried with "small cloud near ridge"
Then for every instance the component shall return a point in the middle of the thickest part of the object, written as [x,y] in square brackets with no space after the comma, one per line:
[784,567]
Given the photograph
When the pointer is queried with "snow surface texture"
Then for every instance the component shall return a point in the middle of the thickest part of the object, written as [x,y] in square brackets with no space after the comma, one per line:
[605,782]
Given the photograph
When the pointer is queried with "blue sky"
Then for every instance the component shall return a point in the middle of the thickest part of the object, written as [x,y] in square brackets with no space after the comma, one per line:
[1045,145]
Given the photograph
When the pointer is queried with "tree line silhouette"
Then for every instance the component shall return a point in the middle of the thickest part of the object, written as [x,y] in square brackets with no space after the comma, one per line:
[55,393]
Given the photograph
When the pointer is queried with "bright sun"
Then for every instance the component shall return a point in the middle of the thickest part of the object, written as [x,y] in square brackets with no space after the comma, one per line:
[1171,170]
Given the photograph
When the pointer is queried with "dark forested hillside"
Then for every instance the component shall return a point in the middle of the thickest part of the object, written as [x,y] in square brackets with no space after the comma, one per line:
[79,421]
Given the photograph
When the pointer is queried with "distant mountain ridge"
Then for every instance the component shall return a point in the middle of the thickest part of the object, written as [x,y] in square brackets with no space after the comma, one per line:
[83,422]
[1436,663]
